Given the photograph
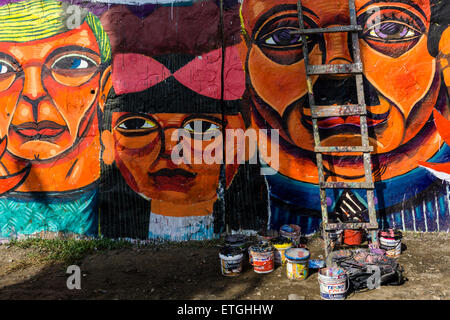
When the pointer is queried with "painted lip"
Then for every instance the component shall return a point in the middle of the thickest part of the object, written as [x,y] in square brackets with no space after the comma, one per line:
[173,179]
[333,122]
[42,130]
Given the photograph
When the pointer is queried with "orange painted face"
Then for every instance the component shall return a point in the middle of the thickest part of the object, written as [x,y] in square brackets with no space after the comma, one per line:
[49,91]
[400,79]
[143,147]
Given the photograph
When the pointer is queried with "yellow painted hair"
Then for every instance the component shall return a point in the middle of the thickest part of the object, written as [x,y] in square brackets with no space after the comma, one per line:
[39,19]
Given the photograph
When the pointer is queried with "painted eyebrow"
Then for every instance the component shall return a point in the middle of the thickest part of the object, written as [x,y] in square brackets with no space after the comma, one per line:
[277,9]
[71,48]
[408,2]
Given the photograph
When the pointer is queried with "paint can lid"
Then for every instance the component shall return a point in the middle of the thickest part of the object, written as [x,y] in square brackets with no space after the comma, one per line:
[262,247]
[290,228]
[297,254]
[235,240]
[230,251]
[280,240]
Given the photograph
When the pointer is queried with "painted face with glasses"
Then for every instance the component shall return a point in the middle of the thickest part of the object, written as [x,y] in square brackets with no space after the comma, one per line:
[143,146]
[48,91]
[401,81]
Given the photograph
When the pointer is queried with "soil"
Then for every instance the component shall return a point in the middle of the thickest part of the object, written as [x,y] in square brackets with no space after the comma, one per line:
[192,272]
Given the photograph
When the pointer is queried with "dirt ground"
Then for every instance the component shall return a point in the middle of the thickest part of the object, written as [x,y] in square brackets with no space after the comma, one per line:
[193,273]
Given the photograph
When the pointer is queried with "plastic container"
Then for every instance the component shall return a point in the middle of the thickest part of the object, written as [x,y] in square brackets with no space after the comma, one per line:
[231,261]
[293,232]
[333,283]
[281,244]
[353,237]
[262,258]
[297,267]
[391,242]
[267,235]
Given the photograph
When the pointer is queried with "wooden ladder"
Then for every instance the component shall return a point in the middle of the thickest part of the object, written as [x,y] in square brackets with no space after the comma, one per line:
[359,109]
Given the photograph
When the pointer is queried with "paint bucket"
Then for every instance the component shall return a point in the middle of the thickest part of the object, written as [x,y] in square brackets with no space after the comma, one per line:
[281,244]
[336,236]
[262,258]
[391,242]
[297,263]
[333,283]
[293,232]
[267,235]
[231,261]
[353,237]
[236,240]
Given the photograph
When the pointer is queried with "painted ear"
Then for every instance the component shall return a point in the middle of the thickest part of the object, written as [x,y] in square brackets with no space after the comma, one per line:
[108,143]
[105,87]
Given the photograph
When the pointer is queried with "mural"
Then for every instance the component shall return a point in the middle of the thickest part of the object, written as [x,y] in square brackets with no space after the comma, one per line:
[54,80]
[405,93]
[113,115]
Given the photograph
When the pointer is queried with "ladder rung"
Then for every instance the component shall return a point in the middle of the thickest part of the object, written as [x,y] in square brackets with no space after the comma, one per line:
[350,225]
[346,185]
[334,68]
[338,111]
[343,149]
[329,30]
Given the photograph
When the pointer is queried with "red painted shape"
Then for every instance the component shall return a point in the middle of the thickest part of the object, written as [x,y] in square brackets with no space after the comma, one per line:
[203,74]
[442,125]
[132,72]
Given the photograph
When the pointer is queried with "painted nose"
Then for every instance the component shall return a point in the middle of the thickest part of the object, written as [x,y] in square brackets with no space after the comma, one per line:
[33,88]
[170,141]
[337,52]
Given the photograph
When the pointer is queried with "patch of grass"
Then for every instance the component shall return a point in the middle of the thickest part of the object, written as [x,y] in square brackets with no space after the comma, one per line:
[68,250]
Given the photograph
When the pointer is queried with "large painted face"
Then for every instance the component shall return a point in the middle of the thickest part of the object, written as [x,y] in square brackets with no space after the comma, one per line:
[49,90]
[143,145]
[400,79]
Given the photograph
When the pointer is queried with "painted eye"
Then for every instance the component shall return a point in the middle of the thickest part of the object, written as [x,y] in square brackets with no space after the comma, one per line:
[137,124]
[283,37]
[201,127]
[392,31]
[74,62]
[5,68]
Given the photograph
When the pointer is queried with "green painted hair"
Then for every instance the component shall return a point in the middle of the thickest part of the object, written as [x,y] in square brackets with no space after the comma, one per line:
[39,19]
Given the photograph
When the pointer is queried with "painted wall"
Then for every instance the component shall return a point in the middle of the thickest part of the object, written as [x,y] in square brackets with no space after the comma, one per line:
[92,94]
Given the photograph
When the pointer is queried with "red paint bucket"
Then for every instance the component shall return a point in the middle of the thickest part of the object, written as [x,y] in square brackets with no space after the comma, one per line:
[353,237]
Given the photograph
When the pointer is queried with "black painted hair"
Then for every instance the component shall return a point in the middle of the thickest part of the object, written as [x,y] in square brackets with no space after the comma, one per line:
[440,20]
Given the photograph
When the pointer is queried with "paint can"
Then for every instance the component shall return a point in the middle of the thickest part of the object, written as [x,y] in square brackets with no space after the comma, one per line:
[333,283]
[353,237]
[336,236]
[281,244]
[391,242]
[293,232]
[231,261]
[297,267]
[262,257]
[267,235]
[236,240]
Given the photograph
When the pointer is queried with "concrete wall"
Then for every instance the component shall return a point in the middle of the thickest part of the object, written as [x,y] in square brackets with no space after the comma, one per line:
[93,96]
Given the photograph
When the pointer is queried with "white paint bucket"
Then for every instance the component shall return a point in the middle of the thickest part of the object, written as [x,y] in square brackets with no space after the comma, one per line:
[231,261]
[333,283]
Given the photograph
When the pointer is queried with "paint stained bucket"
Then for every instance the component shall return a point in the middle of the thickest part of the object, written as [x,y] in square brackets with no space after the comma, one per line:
[297,263]
[333,283]
[281,244]
[293,232]
[262,257]
[236,240]
[231,261]
[391,242]
[267,235]
[353,237]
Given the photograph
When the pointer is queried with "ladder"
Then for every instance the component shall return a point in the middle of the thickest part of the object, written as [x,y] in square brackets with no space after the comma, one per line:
[359,109]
